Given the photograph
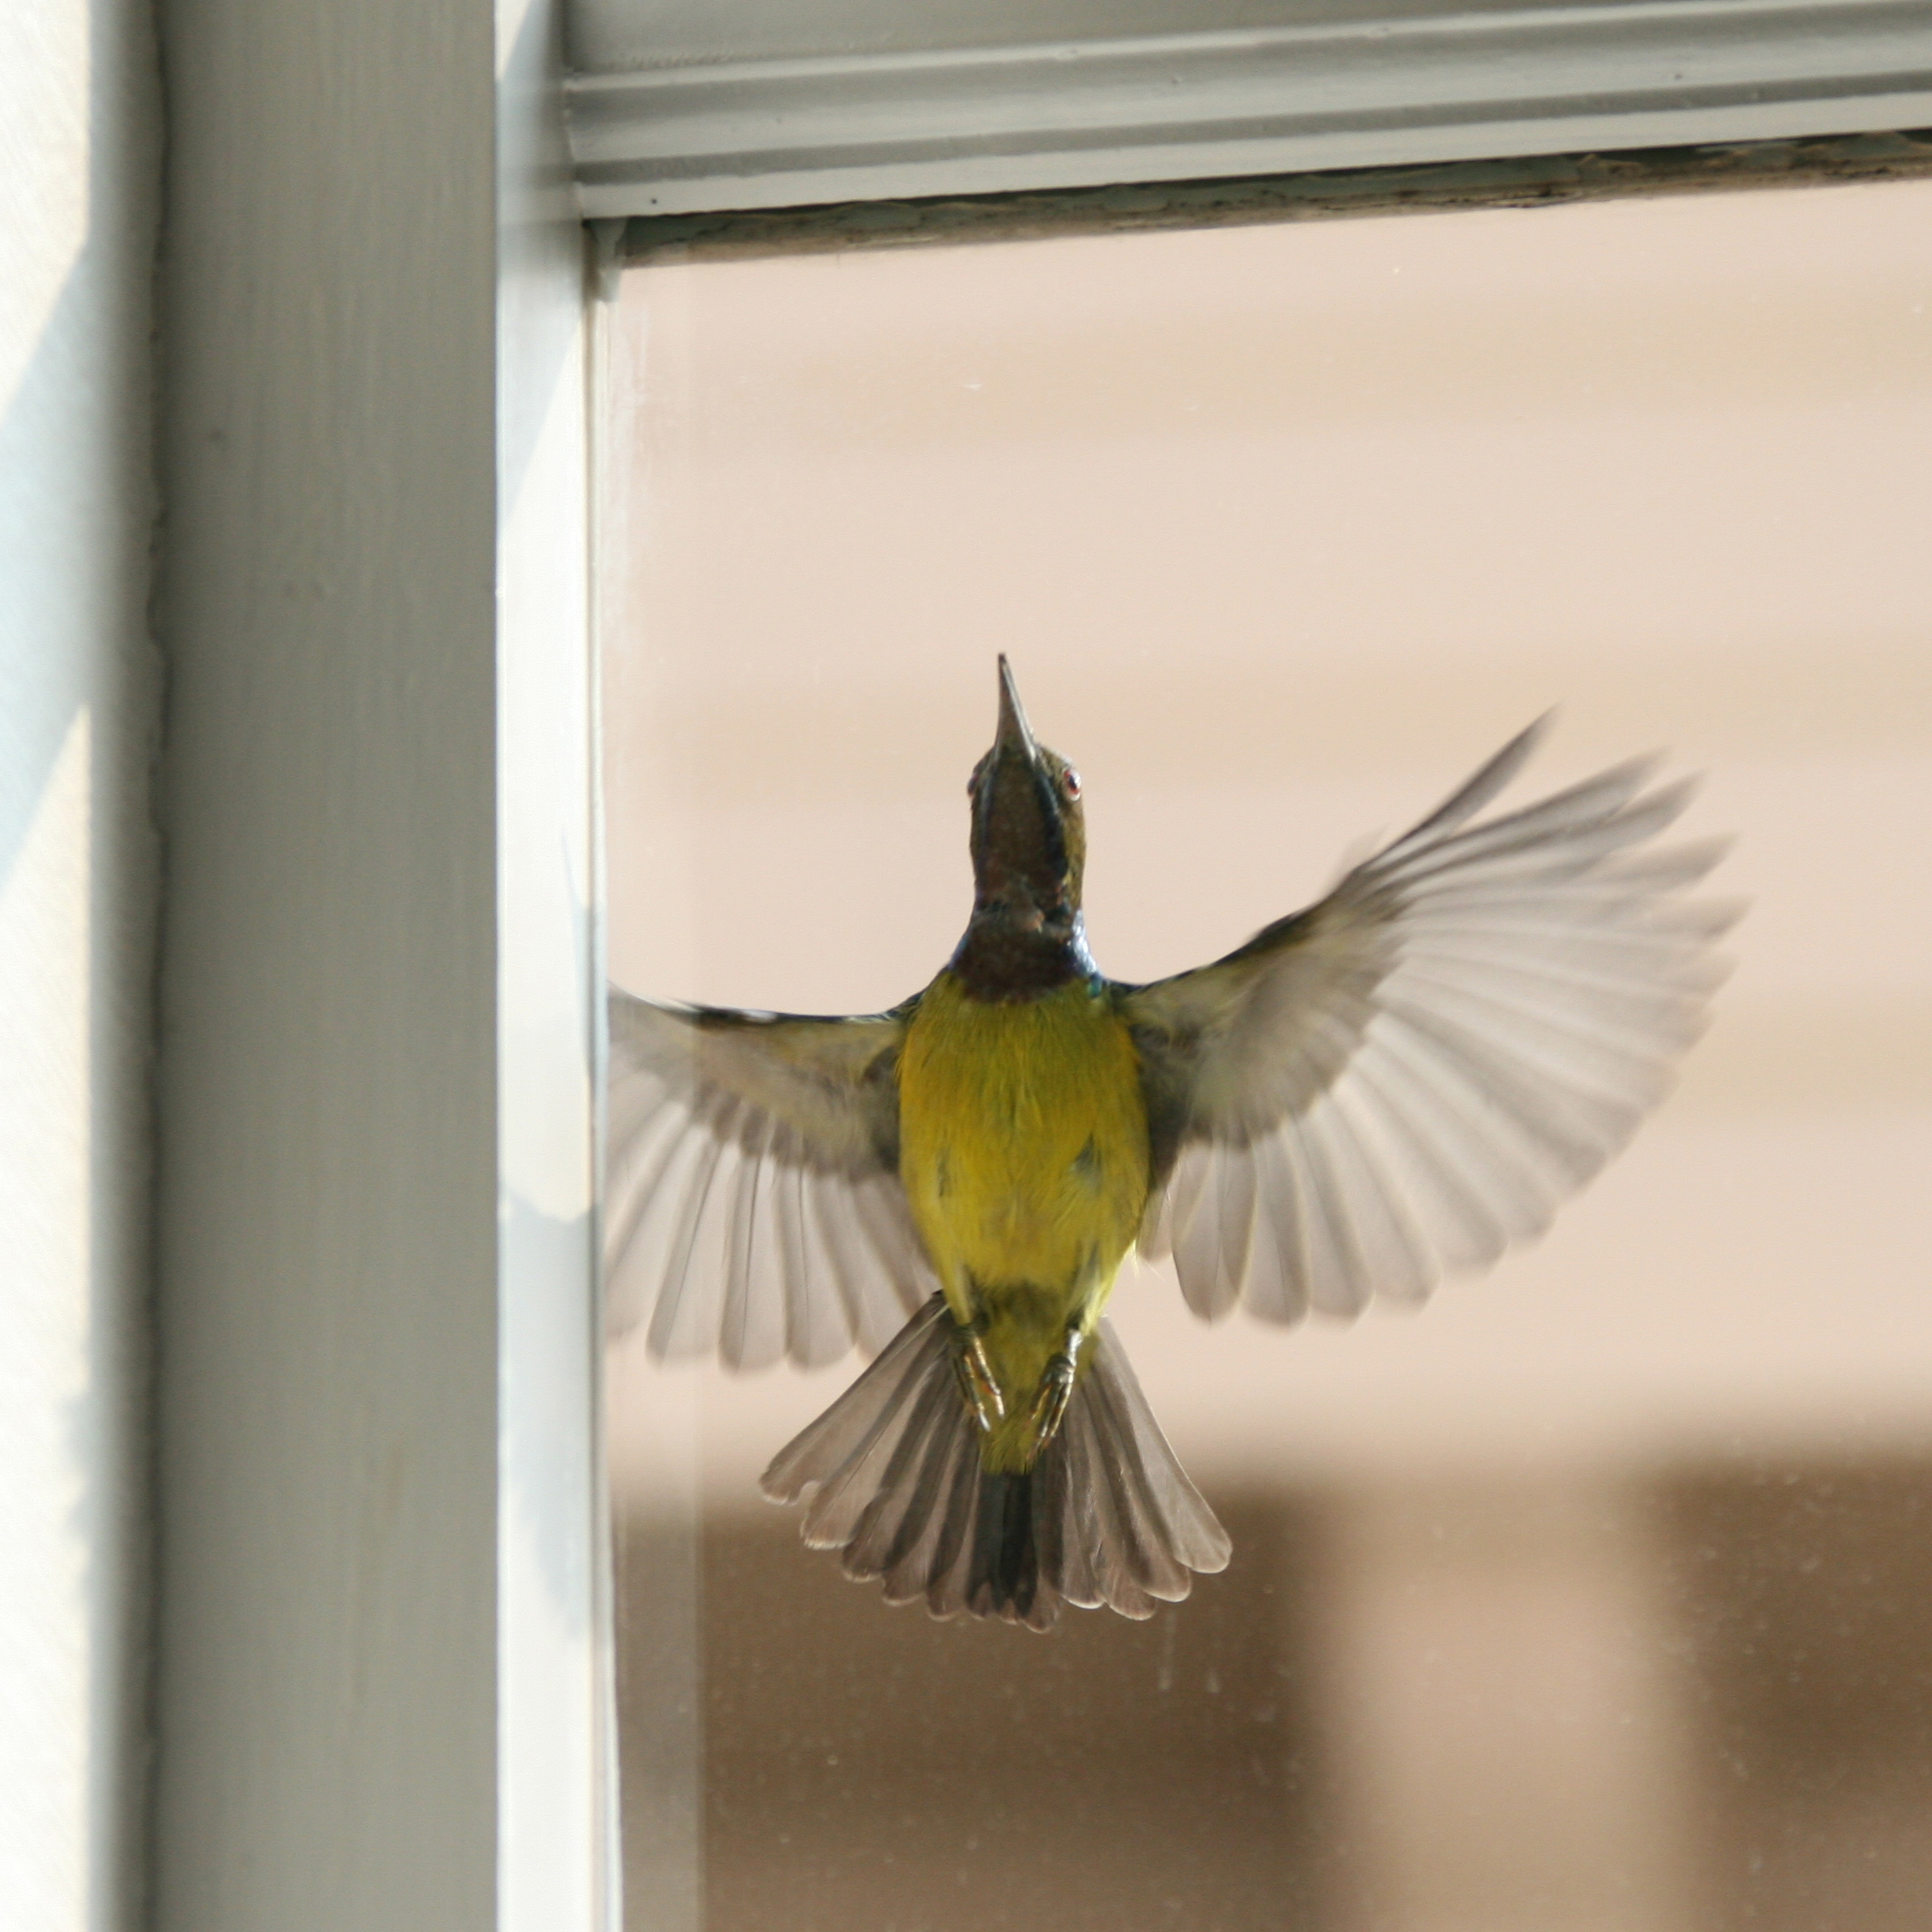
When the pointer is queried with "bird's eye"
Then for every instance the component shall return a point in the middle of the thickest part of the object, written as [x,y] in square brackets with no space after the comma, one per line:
[1070,783]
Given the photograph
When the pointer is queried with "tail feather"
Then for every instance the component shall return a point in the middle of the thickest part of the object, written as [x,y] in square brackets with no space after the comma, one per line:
[843,1455]
[1106,1515]
[904,1508]
[1005,1576]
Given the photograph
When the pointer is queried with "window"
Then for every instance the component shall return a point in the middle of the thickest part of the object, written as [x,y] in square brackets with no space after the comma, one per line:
[1587,1596]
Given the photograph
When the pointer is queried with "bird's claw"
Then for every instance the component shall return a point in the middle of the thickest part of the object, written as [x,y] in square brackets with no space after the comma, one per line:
[976,1377]
[1057,1389]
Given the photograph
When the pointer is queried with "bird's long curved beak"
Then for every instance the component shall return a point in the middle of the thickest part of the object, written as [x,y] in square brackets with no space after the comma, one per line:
[1014,734]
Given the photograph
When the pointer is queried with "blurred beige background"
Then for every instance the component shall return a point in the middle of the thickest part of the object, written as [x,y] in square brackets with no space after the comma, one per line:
[1285,528]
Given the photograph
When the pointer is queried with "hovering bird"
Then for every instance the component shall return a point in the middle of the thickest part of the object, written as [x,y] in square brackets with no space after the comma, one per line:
[1406,1078]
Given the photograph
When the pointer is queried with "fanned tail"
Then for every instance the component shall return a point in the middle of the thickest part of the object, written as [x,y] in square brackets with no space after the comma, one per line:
[1106,1515]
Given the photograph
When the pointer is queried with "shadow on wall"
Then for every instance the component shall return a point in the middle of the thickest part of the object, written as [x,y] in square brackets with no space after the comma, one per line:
[1802,1604]
[868,1768]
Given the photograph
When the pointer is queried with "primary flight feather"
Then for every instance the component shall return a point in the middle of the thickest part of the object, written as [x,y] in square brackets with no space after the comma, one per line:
[1406,1078]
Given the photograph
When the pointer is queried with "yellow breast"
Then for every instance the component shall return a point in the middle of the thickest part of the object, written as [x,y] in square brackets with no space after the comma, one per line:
[1024,1147]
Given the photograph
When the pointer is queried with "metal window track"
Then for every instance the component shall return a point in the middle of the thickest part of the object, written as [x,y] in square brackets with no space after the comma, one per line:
[1529,181]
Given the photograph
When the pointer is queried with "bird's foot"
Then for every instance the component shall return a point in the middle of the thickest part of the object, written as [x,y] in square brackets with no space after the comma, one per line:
[976,1378]
[1057,1389]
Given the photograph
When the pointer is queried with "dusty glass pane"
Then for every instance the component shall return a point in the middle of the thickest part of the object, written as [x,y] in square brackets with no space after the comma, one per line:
[1591,1596]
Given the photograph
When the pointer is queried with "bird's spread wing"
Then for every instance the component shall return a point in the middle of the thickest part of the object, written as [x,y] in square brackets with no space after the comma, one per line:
[753,1207]
[1415,1071]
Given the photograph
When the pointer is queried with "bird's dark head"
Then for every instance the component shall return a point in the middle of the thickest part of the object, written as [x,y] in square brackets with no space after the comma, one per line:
[1029,849]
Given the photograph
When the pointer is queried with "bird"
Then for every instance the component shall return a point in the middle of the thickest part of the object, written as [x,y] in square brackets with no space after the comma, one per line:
[1401,1081]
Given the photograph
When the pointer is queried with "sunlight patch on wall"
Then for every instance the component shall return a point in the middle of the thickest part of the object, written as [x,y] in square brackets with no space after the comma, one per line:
[45,84]
[46,1344]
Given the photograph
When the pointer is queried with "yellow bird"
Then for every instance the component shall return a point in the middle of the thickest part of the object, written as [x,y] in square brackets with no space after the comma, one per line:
[1406,1078]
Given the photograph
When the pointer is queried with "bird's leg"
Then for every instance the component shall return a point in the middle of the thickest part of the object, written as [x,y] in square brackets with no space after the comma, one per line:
[1056,1387]
[976,1378]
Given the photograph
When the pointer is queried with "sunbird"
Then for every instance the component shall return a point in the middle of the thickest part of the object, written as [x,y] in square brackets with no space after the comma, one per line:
[1404,1079]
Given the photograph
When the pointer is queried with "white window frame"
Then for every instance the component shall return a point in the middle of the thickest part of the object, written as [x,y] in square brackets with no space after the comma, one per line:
[1423,86]
[379,1688]
[381,1683]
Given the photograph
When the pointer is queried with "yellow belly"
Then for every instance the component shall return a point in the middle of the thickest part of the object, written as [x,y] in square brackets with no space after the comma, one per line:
[1024,1147]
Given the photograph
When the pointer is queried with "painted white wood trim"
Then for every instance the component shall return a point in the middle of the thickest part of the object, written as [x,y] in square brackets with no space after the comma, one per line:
[378,1703]
[555,1835]
[1444,88]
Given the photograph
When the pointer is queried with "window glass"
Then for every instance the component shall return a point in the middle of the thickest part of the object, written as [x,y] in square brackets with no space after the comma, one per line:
[1590,1596]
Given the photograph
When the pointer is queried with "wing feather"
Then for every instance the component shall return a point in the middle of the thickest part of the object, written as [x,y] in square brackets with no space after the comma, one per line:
[753,1208]
[1277,1285]
[683,1323]
[1418,1071]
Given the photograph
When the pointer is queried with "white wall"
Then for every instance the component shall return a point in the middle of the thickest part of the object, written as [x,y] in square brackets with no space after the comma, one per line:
[79,194]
